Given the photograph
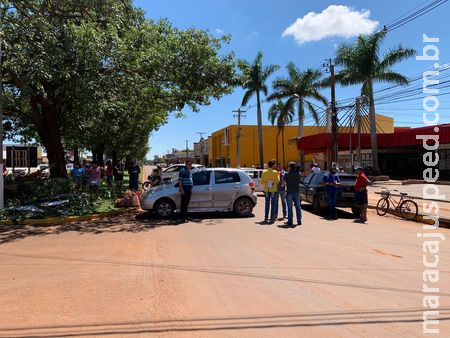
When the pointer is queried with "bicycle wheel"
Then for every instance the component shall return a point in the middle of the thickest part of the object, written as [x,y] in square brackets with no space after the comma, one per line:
[382,206]
[408,209]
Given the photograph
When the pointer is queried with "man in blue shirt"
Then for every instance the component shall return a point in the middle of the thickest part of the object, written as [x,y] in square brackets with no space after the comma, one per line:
[331,181]
[185,182]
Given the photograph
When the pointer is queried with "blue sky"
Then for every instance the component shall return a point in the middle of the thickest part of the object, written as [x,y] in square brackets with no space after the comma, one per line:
[259,25]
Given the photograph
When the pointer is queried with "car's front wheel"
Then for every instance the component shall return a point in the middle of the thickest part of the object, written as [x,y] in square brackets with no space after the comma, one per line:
[243,207]
[164,208]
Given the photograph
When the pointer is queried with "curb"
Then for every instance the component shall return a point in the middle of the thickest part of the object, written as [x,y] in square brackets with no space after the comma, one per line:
[443,222]
[57,220]
[411,181]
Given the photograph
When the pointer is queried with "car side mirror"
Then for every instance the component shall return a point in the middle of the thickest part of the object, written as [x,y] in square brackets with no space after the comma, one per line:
[177,185]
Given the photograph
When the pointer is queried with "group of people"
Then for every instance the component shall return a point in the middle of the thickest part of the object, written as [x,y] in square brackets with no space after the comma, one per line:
[285,186]
[89,176]
[331,181]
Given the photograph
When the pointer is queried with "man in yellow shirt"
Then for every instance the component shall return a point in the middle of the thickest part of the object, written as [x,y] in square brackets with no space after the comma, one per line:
[270,181]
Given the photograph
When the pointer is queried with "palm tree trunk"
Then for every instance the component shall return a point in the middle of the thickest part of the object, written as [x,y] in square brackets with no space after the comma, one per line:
[373,132]
[277,145]
[282,145]
[301,131]
[260,130]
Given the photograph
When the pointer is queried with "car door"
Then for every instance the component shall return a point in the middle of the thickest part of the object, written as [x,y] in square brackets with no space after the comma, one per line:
[227,184]
[304,187]
[201,191]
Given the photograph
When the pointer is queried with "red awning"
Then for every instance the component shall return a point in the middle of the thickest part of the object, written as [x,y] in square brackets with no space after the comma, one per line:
[401,138]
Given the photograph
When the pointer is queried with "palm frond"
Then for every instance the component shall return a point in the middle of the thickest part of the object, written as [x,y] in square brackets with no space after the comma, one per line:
[247,96]
[396,55]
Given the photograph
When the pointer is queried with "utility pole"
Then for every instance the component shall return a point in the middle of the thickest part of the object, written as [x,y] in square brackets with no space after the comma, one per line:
[334,126]
[187,149]
[238,146]
[201,147]
[329,67]
[358,129]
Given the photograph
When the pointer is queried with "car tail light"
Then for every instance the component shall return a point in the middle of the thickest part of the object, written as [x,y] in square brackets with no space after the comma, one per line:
[252,185]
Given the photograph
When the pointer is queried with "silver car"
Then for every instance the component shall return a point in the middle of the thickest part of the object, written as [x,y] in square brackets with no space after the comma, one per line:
[215,189]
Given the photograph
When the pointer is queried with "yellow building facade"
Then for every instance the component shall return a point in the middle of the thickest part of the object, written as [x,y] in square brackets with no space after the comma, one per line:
[223,142]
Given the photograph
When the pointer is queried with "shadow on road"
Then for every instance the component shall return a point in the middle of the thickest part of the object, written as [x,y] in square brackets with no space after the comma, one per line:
[232,323]
[141,222]
[341,213]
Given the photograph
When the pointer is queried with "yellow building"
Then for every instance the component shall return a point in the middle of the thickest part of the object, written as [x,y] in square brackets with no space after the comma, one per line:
[223,142]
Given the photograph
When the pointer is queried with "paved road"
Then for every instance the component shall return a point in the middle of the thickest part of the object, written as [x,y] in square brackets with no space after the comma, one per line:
[217,277]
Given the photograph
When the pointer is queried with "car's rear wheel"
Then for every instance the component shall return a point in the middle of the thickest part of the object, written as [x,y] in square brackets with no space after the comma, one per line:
[243,207]
[164,208]
[316,204]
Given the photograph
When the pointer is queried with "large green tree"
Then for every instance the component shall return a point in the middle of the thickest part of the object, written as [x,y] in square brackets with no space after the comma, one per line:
[280,115]
[96,74]
[362,64]
[300,89]
[253,79]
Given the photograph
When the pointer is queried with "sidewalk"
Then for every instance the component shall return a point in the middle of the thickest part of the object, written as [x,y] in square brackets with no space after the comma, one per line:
[414,191]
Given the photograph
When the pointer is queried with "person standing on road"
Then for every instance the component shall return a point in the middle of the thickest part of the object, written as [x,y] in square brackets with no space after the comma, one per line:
[134,172]
[185,182]
[292,180]
[270,180]
[281,192]
[118,177]
[361,196]
[331,181]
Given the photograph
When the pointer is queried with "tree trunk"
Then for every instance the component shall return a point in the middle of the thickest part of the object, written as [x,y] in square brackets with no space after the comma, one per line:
[301,132]
[260,131]
[114,157]
[277,146]
[76,155]
[282,145]
[49,133]
[373,132]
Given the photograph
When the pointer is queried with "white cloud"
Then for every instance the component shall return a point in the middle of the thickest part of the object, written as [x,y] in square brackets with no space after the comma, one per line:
[253,35]
[334,21]
[219,31]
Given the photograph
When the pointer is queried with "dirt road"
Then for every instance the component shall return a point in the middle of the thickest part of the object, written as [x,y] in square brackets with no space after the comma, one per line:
[217,277]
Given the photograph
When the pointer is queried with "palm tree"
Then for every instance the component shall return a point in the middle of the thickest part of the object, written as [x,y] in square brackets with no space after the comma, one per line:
[300,88]
[363,64]
[280,115]
[254,77]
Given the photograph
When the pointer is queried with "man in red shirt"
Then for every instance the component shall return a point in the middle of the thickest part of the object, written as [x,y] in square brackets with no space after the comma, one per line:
[361,194]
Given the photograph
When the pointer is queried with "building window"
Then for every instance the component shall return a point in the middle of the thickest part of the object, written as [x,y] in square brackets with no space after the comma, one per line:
[444,159]
[19,158]
[227,177]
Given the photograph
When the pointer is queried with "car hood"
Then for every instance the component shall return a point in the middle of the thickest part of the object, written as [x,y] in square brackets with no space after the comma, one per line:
[159,188]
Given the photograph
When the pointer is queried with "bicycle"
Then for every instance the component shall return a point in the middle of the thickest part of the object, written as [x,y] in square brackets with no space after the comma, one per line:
[407,208]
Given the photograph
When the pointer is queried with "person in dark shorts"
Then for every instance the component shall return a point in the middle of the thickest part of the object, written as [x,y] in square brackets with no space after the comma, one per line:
[109,173]
[118,177]
[361,195]
[186,184]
